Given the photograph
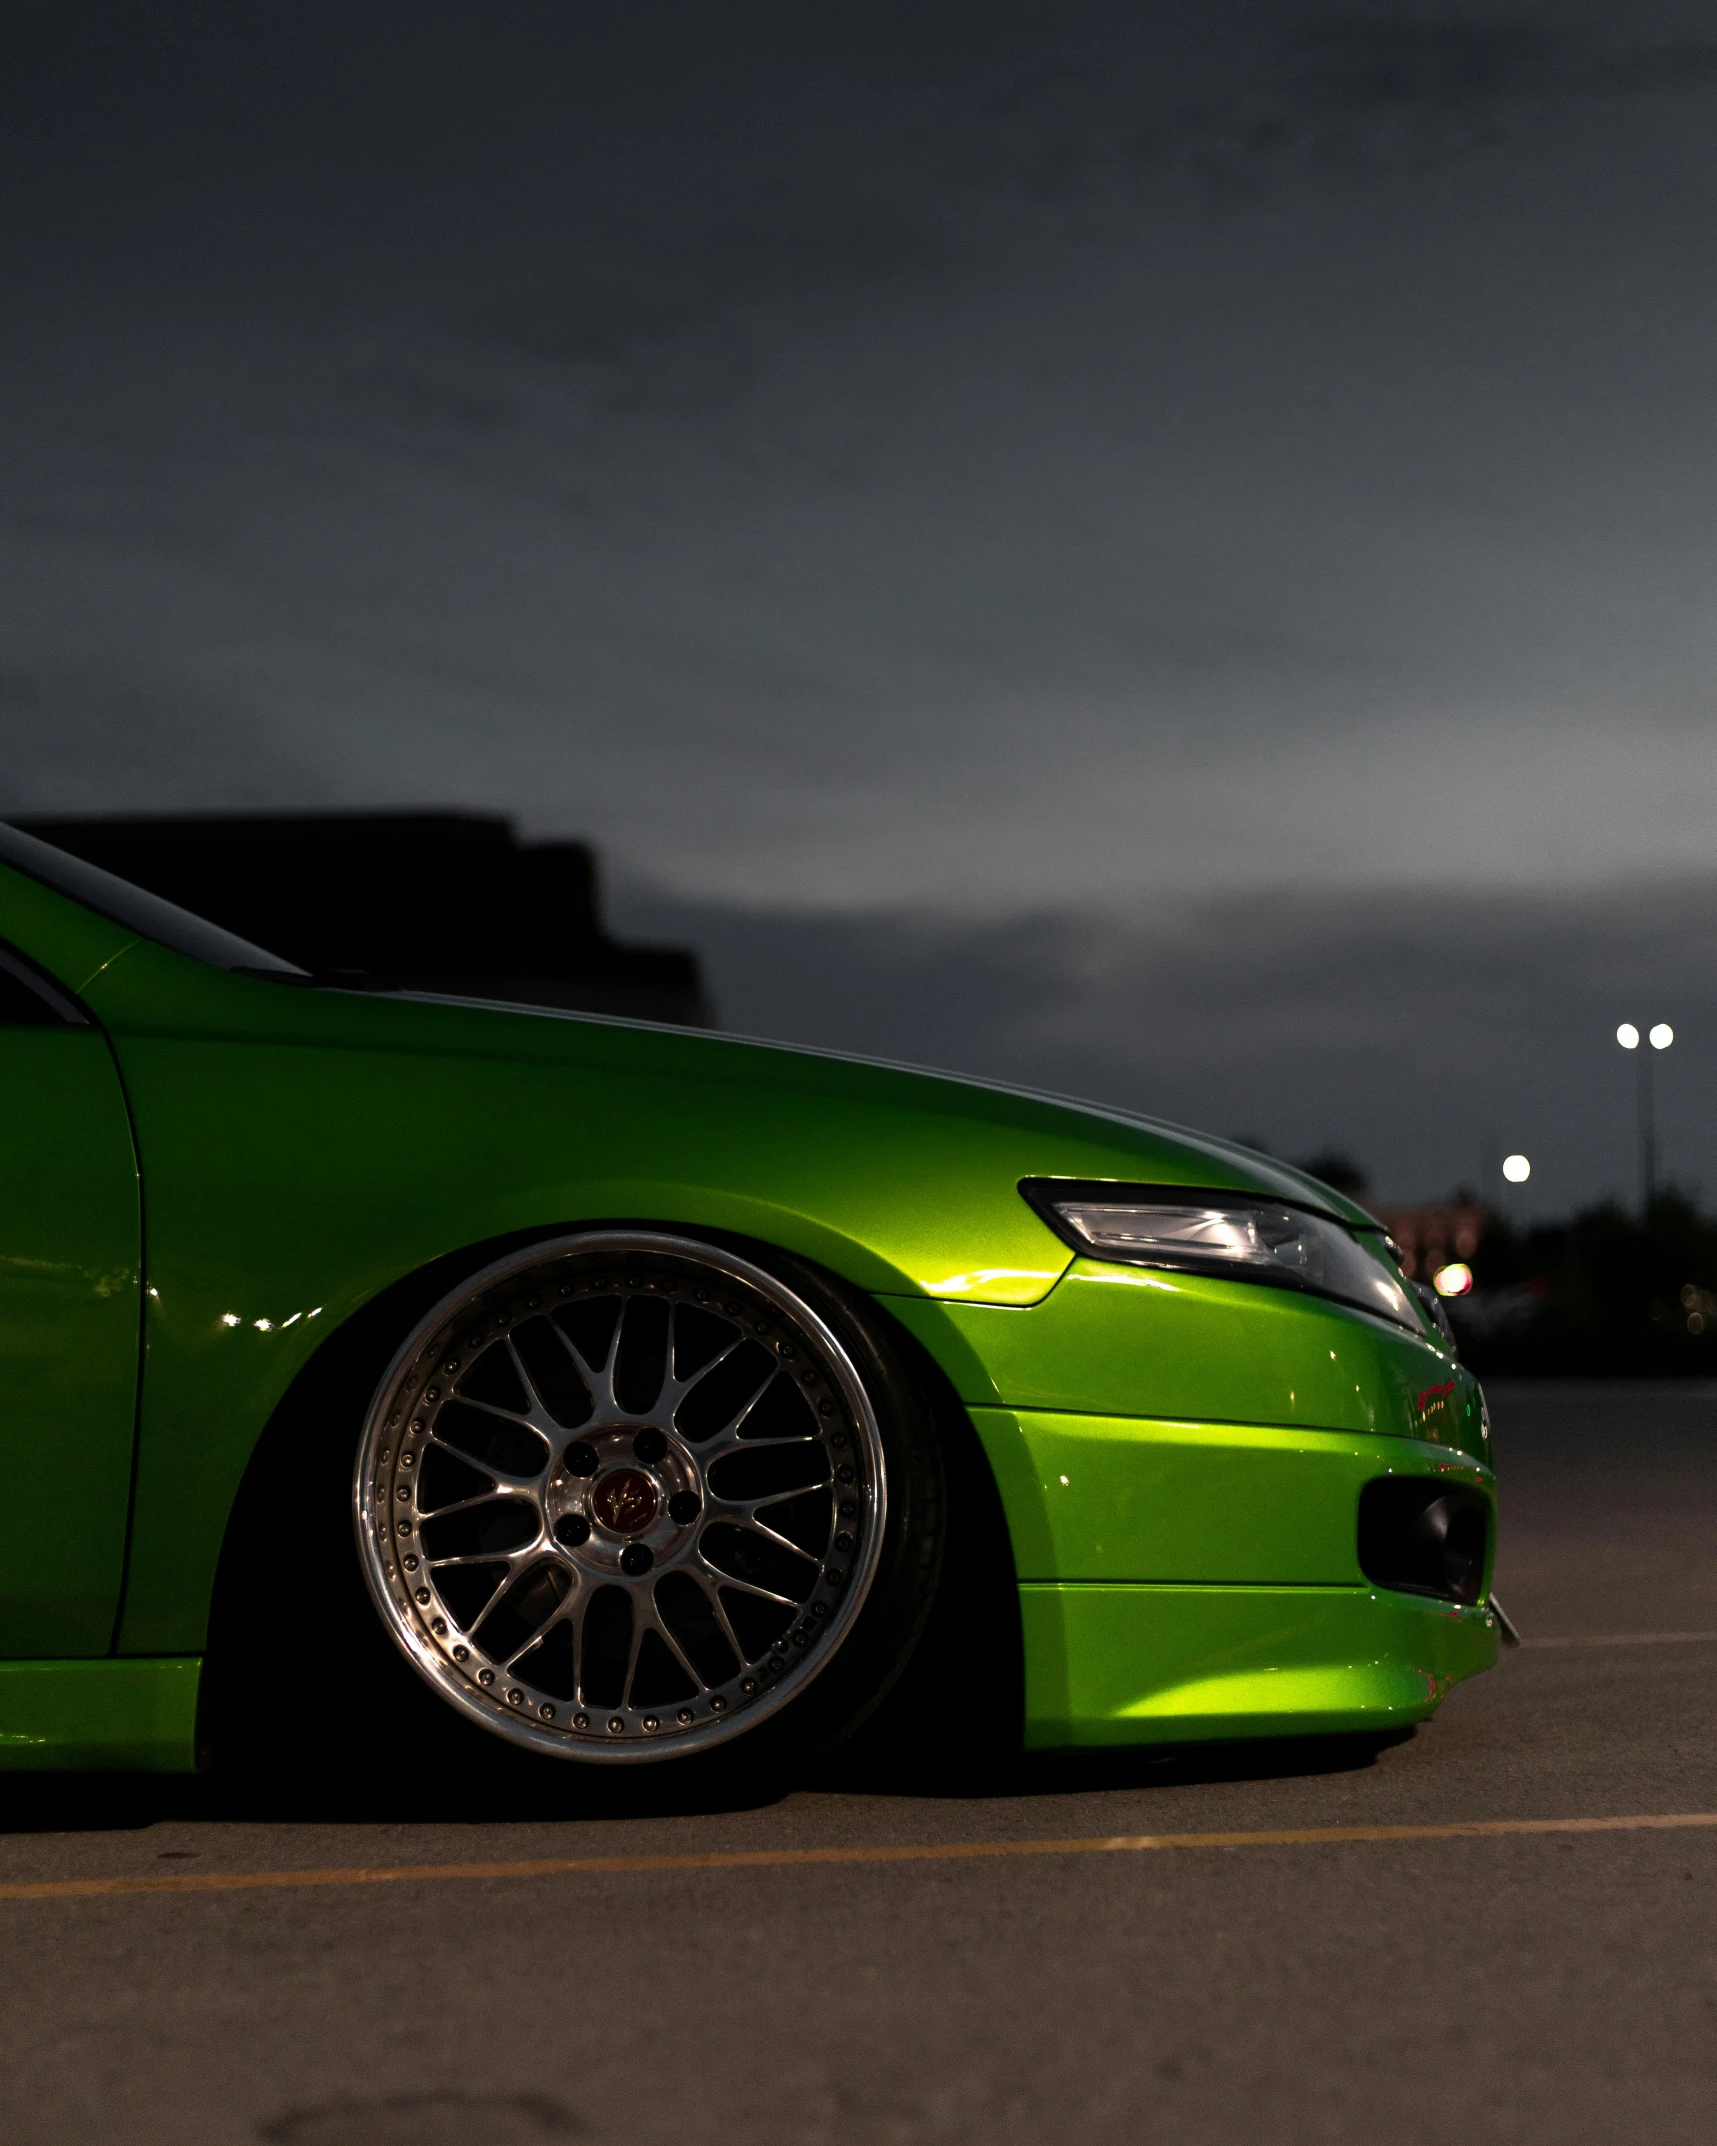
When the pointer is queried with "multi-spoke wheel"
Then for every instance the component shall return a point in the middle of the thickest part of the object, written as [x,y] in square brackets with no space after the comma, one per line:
[627,1495]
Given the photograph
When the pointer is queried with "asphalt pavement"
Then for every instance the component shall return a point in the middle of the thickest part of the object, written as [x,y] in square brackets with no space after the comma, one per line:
[1533,1982]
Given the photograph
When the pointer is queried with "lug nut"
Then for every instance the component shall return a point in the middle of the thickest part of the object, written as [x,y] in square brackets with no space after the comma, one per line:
[580,1459]
[649,1444]
[684,1507]
[572,1529]
[636,1560]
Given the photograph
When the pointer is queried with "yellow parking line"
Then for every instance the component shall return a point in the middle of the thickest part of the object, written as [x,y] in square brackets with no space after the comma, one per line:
[244,1881]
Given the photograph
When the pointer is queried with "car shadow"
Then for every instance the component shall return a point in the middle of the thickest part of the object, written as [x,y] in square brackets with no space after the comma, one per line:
[957,1778]
[498,1792]
[486,1796]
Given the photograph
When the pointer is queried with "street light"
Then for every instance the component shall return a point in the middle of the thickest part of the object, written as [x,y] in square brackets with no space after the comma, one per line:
[1660,1038]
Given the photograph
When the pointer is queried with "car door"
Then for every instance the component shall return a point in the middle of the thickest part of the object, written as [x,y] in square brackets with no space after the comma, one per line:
[70,1297]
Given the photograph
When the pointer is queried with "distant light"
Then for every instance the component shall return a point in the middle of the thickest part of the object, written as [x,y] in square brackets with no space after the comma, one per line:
[1662,1036]
[1454,1280]
[1516,1169]
[231,1318]
[1628,1036]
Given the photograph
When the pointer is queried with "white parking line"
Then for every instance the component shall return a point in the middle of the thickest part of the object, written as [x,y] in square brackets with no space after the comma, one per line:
[1624,1639]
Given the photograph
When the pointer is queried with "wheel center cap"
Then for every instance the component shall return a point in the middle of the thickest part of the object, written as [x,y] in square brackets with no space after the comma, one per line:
[625,1501]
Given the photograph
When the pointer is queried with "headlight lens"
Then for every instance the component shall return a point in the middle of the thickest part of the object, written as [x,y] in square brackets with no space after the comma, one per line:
[1244,1237]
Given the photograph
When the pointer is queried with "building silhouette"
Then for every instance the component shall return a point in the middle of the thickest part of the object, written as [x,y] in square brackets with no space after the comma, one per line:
[451,902]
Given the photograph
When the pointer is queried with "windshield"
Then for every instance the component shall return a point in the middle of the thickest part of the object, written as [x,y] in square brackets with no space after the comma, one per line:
[122,903]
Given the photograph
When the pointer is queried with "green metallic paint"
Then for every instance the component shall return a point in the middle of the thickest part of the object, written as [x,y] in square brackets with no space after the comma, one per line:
[1124,1341]
[69,941]
[1137,1665]
[408,1130]
[1117,1498]
[70,1243]
[302,1150]
[112,1716]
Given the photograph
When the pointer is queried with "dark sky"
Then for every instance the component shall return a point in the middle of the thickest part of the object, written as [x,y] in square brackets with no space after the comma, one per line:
[1166,551]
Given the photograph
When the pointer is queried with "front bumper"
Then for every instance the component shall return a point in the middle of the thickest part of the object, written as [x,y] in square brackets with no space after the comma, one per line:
[1180,1460]
[1190,1580]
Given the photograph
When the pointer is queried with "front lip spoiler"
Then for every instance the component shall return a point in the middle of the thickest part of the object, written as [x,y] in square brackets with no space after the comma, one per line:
[1509,1632]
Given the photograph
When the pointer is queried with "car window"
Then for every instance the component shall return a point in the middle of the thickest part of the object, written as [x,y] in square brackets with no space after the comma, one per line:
[122,903]
[21,1008]
[29,1000]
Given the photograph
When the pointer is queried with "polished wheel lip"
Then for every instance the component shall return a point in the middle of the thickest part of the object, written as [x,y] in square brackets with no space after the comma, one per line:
[607,1738]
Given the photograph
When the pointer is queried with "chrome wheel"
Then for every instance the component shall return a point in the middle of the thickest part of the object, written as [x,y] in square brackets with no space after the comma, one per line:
[621,1496]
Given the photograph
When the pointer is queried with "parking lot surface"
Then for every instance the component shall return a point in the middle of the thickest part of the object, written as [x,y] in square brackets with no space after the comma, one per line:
[790,1971]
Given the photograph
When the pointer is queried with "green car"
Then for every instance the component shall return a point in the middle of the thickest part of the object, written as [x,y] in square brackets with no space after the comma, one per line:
[376,1365]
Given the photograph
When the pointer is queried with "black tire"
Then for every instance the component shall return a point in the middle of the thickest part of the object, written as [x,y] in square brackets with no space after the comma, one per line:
[368,1665]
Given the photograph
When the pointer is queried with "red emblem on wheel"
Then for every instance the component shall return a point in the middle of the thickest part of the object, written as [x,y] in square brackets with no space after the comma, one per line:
[624,1501]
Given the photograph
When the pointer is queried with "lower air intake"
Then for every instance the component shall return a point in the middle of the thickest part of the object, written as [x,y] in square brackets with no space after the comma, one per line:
[1424,1537]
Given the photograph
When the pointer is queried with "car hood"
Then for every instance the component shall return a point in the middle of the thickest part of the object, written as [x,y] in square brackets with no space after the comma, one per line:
[1227,1164]
[901,1179]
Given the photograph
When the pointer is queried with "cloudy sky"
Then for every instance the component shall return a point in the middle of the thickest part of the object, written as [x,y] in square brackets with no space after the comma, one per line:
[1166,552]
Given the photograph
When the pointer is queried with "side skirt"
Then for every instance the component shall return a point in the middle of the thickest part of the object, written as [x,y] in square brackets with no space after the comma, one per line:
[100,1715]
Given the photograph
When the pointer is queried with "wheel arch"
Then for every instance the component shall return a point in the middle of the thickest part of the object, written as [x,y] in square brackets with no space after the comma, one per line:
[306,1440]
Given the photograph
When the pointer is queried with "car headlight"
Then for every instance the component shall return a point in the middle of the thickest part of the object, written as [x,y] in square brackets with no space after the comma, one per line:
[1244,1236]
